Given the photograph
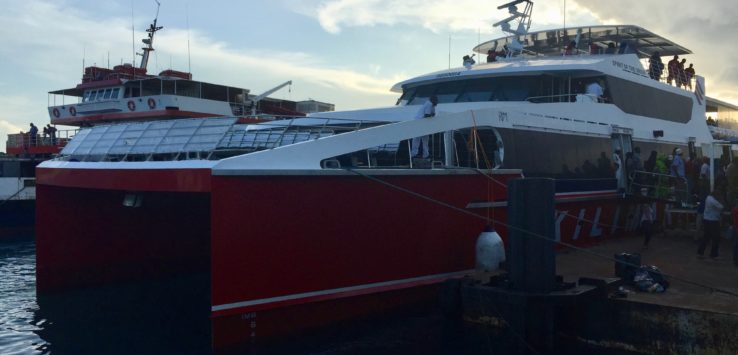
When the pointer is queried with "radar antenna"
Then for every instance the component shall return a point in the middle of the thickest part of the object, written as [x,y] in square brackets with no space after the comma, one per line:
[149,42]
[521,20]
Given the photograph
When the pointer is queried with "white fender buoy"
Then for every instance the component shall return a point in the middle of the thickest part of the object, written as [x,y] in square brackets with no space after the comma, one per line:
[490,250]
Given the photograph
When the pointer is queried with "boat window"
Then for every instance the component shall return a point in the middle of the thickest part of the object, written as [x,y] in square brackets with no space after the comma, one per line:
[150,87]
[643,100]
[107,94]
[86,96]
[447,92]
[422,94]
[476,90]
[115,93]
[93,95]
[407,95]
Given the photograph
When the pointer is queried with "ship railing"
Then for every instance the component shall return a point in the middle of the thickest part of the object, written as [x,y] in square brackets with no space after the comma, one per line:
[24,140]
[660,186]
[573,97]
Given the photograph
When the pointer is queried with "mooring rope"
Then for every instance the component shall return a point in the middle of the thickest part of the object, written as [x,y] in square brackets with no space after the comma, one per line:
[533,234]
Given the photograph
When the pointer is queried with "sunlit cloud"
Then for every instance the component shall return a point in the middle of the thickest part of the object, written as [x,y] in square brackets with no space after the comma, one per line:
[440,16]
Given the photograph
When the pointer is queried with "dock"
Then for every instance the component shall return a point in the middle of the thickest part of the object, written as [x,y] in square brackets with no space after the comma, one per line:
[548,301]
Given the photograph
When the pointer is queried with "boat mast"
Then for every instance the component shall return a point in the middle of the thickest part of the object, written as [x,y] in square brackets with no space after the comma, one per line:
[149,42]
[523,23]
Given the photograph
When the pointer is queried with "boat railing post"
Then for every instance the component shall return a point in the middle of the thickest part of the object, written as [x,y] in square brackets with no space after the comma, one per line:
[410,152]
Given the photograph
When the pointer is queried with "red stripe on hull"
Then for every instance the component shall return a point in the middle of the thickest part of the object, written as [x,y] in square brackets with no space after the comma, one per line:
[142,115]
[236,333]
[183,180]
[86,237]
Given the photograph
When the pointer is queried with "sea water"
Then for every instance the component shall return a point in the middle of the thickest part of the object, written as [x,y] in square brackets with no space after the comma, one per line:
[172,317]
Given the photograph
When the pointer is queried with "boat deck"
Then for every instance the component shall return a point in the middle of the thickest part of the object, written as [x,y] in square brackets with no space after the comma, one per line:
[675,254]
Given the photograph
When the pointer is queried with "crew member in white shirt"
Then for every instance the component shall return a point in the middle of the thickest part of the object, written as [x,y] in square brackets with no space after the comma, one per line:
[595,91]
[711,218]
[426,111]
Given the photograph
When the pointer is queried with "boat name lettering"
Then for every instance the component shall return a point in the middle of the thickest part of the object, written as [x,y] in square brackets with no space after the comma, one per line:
[448,75]
[250,315]
[629,68]
[502,116]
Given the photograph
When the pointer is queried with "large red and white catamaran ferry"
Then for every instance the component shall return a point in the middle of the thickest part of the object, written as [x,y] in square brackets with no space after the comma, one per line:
[308,220]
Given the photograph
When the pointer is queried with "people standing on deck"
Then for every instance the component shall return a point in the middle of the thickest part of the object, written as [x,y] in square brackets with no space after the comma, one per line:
[711,220]
[688,75]
[52,133]
[426,111]
[672,68]
[655,66]
[681,76]
[33,133]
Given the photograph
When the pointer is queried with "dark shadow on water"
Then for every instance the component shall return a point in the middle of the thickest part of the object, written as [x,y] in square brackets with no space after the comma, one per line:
[162,317]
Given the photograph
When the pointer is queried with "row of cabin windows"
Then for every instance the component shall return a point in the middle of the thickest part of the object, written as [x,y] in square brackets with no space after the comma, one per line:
[631,97]
[101,94]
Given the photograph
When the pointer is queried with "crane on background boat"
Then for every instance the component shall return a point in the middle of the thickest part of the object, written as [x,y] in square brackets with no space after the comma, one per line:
[255,100]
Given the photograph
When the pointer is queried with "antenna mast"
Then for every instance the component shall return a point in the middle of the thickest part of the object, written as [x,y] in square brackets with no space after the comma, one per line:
[523,23]
[149,42]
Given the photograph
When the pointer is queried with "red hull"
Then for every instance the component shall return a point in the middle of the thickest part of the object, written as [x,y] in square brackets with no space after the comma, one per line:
[292,251]
[86,237]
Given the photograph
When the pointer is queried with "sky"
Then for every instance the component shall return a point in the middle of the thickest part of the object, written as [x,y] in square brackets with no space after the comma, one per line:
[346,52]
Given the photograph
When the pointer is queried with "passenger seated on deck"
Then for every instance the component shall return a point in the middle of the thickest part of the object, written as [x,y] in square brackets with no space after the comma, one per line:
[610,48]
[570,48]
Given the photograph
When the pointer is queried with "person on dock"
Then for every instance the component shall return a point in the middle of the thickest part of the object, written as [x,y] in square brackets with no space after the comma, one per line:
[711,221]
[427,111]
[734,214]
[677,169]
[648,216]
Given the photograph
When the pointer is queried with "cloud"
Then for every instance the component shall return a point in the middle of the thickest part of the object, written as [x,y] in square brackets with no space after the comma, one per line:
[48,54]
[14,106]
[437,16]
[707,28]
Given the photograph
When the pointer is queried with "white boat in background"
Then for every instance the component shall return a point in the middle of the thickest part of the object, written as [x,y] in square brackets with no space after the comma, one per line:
[301,222]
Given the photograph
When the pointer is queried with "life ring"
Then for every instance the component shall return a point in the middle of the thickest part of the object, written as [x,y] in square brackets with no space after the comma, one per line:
[152,103]
[72,111]
[131,105]
[56,113]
